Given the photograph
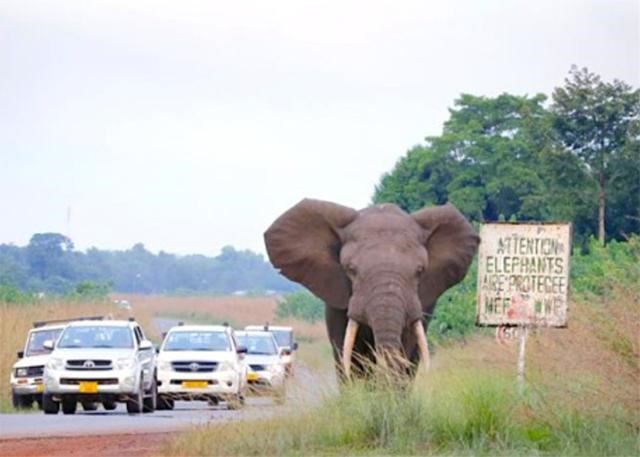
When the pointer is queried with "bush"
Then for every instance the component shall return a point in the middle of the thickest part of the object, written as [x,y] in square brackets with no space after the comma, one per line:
[13,295]
[301,305]
[90,291]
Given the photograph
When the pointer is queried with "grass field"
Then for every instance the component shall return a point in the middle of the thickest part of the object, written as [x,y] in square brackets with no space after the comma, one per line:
[581,398]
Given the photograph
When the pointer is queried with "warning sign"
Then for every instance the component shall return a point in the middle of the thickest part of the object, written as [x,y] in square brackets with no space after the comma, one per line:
[523,274]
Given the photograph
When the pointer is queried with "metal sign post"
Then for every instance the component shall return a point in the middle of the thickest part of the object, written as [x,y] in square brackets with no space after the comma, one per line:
[523,280]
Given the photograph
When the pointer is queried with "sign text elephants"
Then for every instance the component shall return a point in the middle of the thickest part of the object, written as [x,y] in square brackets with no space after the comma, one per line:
[523,274]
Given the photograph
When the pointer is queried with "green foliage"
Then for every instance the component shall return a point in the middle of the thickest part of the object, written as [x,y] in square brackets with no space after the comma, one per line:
[50,264]
[13,295]
[510,158]
[90,291]
[598,270]
[599,123]
[301,305]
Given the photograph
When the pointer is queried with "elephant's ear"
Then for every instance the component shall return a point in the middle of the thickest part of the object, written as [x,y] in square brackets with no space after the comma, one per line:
[304,243]
[451,243]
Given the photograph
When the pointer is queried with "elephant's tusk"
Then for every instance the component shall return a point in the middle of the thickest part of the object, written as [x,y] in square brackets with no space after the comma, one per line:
[347,348]
[423,348]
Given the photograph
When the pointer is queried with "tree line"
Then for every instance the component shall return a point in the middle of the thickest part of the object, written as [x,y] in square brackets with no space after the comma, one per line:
[513,157]
[50,263]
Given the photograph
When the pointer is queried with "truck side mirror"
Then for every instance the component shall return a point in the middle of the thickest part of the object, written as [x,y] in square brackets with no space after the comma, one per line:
[145,345]
[241,349]
[295,346]
[48,345]
[20,354]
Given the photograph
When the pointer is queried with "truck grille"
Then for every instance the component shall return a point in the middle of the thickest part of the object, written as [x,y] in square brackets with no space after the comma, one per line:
[194,367]
[100,382]
[89,364]
[258,367]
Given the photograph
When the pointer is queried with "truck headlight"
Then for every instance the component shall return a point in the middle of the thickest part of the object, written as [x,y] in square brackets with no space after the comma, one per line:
[55,363]
[276,368]
[225,366]
[124,364]
[164,365]
[21,372]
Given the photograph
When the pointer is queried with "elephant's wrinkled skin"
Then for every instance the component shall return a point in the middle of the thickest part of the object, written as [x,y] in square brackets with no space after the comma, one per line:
[379,266]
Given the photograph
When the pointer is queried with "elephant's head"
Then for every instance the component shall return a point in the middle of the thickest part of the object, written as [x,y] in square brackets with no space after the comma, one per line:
[385,267]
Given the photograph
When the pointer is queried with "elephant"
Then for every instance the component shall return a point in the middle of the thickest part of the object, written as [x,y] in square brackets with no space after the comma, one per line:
[378,270]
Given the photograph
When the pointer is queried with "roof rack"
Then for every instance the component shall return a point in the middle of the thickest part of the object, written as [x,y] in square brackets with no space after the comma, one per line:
[37,324]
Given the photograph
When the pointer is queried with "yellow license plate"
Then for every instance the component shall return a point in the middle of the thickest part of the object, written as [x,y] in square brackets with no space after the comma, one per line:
[252,376]
[39,388]
[195,384]
[88,387]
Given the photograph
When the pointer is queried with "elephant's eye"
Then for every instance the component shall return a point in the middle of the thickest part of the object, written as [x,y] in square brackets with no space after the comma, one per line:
[419,270]
[350,269]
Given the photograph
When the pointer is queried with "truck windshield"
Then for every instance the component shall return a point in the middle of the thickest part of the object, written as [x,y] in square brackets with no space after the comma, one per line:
[196,341]
[37,339]
[98,336]
[257,344]
[283,337]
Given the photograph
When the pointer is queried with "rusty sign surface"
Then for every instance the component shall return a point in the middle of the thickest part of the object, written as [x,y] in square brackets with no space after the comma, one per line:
[523,274]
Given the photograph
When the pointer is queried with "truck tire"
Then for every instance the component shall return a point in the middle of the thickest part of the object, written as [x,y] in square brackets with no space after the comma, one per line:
[49,406]
[164,403]
[150,400]
[69,405]
[109,405]
[135,402]
[21,401]
[89,405]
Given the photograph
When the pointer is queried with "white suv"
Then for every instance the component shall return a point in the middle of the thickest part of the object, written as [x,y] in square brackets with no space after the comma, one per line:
[26,374]
[266,375]
[100,361]
[201,362]
[284,340]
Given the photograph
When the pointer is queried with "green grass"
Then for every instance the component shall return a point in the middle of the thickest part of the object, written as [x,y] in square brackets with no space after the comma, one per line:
[447,414]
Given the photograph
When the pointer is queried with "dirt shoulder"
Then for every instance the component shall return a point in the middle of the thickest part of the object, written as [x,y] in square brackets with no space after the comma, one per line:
[140,444]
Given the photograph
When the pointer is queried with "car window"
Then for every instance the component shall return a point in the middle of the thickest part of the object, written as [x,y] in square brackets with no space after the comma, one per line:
[258,344]
[283,337]
[98,336]
[185,340]
[37,339]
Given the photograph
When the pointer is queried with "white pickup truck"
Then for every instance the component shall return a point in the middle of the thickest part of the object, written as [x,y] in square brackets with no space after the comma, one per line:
[201,362]
[26,374]
[100,361]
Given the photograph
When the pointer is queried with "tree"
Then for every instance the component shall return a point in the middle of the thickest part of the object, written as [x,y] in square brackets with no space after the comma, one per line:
[486,161]
[45,254]
[599,123]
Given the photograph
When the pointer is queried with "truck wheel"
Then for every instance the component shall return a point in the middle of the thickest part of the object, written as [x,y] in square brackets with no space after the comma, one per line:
[165,402]
[150,401]
[89,405]
[49,406]
[21,401]
[135,402]
[69,405]
[109,405]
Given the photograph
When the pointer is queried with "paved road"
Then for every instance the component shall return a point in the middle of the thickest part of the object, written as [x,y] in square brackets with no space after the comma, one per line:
[37,424]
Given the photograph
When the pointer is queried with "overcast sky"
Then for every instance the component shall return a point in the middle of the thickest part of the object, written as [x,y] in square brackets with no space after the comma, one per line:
[190,125]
